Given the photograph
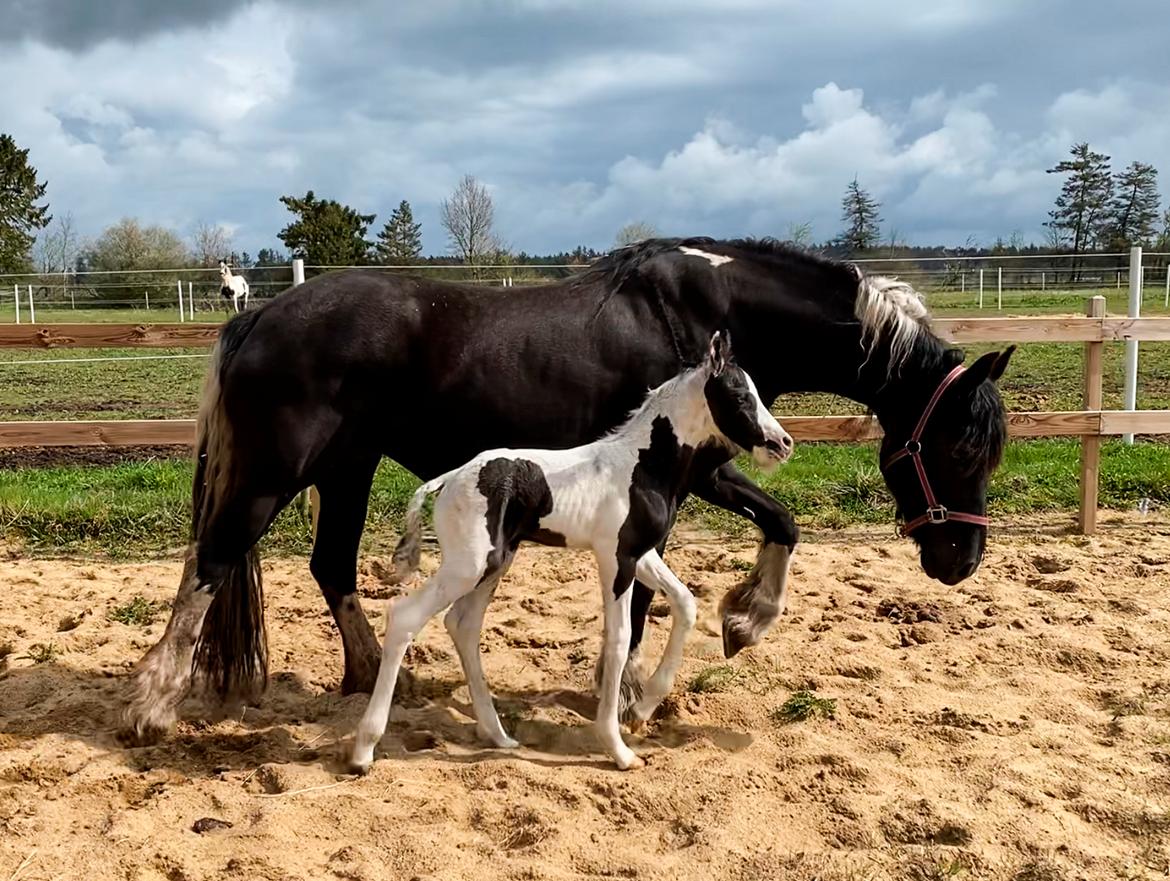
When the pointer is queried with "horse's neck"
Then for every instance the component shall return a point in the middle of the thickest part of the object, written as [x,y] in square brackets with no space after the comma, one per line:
[681,400]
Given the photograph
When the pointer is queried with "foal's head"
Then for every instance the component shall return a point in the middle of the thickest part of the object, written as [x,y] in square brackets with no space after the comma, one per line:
[736,409]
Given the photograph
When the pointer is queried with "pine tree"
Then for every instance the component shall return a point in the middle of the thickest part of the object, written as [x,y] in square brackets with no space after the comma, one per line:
[860,212]
[400,241]
[1081,214]
[326,233]
[20,216]
[1134,209]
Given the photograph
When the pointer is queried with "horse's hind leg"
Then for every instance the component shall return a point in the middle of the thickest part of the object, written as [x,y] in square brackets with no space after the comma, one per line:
[654,572]
[163,677]
[464,623]
[345,496]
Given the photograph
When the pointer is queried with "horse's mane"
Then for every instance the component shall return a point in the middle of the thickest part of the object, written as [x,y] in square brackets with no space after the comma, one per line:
[889,310]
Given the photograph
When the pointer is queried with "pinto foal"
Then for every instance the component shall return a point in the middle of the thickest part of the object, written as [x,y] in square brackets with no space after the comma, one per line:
[617,496]
[233,286]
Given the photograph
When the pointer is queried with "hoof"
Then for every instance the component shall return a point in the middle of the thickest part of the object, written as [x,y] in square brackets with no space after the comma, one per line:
[507,743]
[131,737]
[361,769]
[632,764]
[733,640]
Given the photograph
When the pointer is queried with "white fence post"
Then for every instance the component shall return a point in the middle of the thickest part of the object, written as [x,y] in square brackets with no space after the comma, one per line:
[999,289]
[147,294]
[16,299]
[190,300]
[1041,282]
[1131,346]
[311,498]
[179,284]
[963,282]
[1166,305]
[32,310]
[980,288]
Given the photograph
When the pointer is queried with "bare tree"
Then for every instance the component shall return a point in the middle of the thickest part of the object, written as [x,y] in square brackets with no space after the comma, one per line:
[210,244]
[635,232]
[57,248]
[467,216]
[800,234]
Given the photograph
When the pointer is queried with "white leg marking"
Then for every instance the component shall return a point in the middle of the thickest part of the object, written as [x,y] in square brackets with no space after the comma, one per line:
[407,617]
[654,573]
[163,676]
[616,648]
[464,622]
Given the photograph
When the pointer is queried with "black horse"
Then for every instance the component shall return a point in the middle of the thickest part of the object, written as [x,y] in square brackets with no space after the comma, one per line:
[316,386]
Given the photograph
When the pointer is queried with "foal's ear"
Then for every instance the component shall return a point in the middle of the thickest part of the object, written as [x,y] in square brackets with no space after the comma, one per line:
[719,352]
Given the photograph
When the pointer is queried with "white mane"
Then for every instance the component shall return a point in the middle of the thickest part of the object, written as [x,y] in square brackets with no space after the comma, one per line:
[892,311]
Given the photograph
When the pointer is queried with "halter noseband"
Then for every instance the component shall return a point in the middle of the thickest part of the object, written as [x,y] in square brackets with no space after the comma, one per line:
[935,513]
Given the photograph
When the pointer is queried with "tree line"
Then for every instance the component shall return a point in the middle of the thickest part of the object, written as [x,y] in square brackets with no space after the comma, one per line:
[1096,209]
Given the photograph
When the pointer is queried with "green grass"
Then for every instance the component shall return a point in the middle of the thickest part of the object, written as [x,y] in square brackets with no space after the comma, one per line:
[713,679]
[139,612]
[139,508]
[805,705]
[142,508]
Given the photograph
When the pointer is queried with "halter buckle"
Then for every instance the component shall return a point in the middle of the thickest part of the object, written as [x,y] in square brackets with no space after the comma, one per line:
[913,447]
[937,514]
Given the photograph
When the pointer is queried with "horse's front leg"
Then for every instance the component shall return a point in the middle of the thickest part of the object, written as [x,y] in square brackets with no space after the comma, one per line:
[752,607]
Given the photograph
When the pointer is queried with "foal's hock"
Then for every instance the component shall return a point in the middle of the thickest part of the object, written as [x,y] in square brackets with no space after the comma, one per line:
[616,496]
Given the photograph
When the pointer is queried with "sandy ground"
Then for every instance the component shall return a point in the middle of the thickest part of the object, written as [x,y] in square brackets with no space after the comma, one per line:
[1015,727]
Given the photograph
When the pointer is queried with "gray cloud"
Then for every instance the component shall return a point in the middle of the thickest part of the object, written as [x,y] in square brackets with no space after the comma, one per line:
[702,116]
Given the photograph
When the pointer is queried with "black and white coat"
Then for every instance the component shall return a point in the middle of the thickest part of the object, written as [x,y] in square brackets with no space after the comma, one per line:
[616,496]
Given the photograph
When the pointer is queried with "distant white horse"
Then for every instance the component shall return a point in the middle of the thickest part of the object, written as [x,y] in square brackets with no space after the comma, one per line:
[233,286]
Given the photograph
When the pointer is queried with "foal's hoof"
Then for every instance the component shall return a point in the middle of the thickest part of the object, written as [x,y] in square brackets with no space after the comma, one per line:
[632,764]
[361,769]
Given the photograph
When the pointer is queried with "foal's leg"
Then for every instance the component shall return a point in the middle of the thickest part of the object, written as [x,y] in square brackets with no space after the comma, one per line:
[652,571]
[617,575]
[465,623]
[407,617]
[345,495]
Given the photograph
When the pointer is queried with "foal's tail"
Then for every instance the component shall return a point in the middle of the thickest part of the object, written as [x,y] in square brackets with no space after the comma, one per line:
[231,653]
[409,550]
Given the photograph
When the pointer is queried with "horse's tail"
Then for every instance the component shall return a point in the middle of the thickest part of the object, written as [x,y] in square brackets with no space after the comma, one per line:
[408,553]
[231,653]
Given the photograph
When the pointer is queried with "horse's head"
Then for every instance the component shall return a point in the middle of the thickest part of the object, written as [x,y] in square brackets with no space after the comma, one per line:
[943,440]
[736,408]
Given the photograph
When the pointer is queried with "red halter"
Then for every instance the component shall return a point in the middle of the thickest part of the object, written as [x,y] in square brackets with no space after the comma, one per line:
[935,513]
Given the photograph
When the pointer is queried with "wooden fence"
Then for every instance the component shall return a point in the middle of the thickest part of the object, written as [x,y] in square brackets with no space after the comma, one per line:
[1090,424]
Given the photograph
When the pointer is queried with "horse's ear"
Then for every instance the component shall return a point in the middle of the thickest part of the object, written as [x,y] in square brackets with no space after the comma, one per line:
[990,366]
[1001,364]
[719,352]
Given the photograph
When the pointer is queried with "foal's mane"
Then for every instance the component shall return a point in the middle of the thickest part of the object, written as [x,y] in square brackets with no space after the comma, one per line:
[889,310]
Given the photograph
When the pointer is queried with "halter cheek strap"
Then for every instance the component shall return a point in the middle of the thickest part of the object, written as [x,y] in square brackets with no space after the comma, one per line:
[935,513]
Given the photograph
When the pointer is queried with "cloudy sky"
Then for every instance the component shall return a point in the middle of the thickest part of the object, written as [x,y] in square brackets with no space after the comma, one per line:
[719,117]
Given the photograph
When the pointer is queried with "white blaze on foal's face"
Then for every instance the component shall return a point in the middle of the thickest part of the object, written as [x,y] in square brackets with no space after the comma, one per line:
[737,410]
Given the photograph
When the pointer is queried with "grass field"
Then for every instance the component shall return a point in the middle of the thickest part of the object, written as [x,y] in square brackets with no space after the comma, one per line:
[141,507]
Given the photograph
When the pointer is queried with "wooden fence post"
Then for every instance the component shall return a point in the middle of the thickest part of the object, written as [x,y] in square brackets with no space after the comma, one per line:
[1091,443]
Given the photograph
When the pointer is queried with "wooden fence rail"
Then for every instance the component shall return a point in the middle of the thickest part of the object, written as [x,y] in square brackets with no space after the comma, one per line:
[1091,424]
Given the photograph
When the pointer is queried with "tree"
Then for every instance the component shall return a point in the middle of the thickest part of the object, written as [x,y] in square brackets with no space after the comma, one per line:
[1081,211]
[210,244]
[400,241]
[1134,208]
[860,212]
[800,234]
[326,233]
[635,232]
[128,245]
[467,216]
[270,257]
[20,216]
[57,247]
